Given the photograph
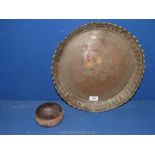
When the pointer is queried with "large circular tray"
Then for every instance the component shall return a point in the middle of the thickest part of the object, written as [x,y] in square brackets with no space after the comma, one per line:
[98,67]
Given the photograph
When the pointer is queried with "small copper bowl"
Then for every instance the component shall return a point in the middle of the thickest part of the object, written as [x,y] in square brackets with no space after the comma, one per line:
[49,114]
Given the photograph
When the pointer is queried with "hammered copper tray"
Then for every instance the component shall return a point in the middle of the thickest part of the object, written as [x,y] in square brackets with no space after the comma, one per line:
[98,67]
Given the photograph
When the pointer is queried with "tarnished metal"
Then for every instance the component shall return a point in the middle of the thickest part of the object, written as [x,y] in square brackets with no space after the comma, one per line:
[98,67]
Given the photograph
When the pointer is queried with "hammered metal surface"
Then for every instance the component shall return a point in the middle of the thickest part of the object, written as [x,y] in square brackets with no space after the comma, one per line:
[98,67]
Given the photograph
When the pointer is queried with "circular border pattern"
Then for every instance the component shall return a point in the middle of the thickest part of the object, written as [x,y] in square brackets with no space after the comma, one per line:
[125,94]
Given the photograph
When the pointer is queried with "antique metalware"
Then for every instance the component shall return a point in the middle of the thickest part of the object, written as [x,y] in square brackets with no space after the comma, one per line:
[49,114]
[98,67]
